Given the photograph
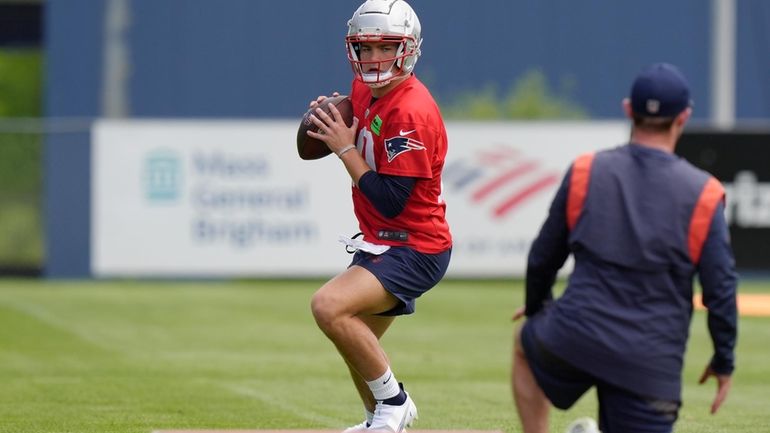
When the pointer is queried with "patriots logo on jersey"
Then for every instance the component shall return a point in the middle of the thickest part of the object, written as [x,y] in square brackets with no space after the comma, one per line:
[397,145]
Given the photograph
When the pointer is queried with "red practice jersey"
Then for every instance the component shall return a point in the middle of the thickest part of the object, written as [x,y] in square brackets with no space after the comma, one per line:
[402,134]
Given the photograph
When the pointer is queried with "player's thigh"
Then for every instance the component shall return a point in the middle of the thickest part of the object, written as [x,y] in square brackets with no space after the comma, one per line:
[518,349]
[355,291]
[622,411]
[405,273]
[562,383]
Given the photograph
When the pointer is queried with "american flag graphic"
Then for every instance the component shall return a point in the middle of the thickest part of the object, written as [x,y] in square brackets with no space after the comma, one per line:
[502,178]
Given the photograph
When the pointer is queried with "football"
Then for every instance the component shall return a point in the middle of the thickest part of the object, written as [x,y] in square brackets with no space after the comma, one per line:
[311,148]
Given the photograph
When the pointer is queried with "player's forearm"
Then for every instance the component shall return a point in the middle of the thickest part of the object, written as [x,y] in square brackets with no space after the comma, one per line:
[548,253]
[546,257]
[719,288]
[388,194]
[723,334]
[719,281]
[354,164]
[538,291]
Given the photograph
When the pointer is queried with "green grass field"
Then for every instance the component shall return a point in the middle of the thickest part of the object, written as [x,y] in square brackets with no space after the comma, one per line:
[90,356]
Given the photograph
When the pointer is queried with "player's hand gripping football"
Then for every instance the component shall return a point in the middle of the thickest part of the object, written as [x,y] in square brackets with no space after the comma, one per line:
[724,382]
[320,99]
[332,129]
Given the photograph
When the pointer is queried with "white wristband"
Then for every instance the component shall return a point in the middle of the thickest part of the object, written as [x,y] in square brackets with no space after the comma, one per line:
[345,149]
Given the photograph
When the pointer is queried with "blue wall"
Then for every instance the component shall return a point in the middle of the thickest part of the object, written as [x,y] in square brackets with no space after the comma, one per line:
[247,58]
[73,44]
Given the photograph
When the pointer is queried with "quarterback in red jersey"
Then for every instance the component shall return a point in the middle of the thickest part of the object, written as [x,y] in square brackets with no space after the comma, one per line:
[394,153]
[403,135]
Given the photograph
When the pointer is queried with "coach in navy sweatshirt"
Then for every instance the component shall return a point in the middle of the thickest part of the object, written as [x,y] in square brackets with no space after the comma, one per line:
[641,222]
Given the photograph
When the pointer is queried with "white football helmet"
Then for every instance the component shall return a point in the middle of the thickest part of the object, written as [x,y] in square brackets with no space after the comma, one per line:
[384,21]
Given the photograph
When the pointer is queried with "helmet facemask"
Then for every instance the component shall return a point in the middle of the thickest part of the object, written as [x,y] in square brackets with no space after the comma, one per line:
[379,73]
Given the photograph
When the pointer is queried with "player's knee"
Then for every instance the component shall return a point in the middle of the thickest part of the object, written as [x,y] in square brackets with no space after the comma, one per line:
[323,308]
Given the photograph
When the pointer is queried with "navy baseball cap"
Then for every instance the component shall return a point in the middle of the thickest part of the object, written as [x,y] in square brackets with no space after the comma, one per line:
[660,90]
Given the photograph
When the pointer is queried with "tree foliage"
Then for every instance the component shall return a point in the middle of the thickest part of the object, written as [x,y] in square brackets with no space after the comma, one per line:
[20,83]
[528,98]
[20,159]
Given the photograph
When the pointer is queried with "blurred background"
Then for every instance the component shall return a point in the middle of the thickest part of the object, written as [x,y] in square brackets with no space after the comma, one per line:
[77,77]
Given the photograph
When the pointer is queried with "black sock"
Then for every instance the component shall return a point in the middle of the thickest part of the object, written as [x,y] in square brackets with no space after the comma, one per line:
[398,400]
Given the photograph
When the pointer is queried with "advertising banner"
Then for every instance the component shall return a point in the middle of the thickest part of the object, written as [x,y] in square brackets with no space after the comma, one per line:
[214,199]
[227,198]
[740,161]
[499,181]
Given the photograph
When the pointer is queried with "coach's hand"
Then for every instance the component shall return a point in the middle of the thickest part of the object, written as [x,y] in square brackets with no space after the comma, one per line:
[724,381]
[518,314]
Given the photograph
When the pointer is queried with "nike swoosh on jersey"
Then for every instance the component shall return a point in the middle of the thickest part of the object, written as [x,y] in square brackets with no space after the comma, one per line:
[402,132]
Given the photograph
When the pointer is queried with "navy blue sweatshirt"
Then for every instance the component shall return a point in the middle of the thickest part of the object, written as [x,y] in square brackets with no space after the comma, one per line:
[624,316]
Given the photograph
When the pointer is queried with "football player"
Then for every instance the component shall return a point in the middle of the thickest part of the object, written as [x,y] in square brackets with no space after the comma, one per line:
[394,153]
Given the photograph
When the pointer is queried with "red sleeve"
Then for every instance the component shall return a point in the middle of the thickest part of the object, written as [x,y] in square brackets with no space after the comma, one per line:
[713,193]
[578,188]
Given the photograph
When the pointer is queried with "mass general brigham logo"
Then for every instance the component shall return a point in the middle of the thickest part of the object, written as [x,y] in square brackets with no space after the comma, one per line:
[162,176]
[500,178]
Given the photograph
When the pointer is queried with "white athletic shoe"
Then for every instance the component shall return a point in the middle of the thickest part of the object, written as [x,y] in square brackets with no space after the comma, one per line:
[583,425]
[394,419]
[357,428]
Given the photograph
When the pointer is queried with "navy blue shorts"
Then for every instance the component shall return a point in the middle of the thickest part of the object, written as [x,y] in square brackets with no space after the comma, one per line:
[620,411]
[404,273]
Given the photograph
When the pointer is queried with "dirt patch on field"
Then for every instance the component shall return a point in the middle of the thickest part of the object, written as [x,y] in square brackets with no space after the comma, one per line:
[749,304]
